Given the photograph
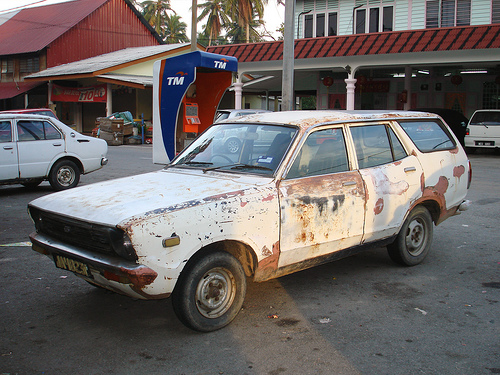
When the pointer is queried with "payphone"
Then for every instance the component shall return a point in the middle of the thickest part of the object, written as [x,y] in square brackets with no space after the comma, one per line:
[187,90]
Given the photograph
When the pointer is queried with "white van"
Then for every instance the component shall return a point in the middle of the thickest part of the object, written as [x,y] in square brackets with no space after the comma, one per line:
[483,130]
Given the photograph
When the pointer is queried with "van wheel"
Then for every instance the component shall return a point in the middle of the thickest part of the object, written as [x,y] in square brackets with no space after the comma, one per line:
[64,175]
[414,240]
[210,292]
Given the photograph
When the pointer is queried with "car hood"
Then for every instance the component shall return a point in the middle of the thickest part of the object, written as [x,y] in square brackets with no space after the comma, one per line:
[117,201]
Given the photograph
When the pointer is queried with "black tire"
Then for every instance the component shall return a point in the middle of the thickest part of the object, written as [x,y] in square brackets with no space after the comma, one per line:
[64,175]
[210,292]
[233,145]
[414,239]
[32,184]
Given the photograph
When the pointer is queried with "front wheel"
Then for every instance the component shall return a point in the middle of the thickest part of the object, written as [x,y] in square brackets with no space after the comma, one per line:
[210,292]
[414,240]
[64,175]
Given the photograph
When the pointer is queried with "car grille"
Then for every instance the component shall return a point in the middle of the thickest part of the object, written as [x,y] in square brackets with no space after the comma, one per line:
[82,234]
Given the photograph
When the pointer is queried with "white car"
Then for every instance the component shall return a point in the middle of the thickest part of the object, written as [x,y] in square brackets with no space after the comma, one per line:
[305,188]
[483,130]
[34,148]
[224,114]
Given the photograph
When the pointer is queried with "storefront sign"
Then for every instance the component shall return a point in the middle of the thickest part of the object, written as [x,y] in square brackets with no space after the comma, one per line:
[92,94]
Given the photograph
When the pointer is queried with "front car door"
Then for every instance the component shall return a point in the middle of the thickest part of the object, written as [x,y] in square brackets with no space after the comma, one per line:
[9,168]
[39,142]
[322,200]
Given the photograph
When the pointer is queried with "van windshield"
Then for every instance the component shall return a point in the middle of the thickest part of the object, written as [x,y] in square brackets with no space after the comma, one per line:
[242,148]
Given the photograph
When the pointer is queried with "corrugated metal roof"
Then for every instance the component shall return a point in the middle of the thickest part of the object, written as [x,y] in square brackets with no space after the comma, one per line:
[428,40]
[109,61]
[11,89]
[33,29]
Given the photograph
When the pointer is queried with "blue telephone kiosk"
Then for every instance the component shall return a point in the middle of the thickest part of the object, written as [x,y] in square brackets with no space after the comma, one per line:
[187,90]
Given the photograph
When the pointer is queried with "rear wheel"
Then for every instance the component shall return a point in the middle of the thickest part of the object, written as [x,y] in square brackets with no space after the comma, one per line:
[64,175]
[414,240]
[210,292]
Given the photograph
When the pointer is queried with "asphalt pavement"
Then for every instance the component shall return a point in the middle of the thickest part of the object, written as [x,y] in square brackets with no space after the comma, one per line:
[360,315]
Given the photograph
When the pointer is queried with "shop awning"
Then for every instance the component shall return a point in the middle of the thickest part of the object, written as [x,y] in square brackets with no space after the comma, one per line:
[11,89]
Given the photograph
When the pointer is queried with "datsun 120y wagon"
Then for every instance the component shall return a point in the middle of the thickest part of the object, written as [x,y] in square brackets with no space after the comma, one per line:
[304,188]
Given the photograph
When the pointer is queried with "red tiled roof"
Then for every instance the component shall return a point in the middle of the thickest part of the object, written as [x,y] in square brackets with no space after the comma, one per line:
[32,29]
[427,40]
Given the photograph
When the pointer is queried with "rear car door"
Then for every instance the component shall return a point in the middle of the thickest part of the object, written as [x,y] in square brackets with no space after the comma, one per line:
[322,200]
[39,143]
[391,176]
[9,168]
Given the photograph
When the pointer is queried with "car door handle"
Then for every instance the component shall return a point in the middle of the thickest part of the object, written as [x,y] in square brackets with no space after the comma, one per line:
[8,147]
[349,183]
[410,169]
[56,144]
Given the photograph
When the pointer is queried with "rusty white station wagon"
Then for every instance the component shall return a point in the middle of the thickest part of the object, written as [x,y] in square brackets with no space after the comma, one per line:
[304,188]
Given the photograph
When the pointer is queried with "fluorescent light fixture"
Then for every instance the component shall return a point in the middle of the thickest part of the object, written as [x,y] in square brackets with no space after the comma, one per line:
[402,75]
[423,72]
[474,71]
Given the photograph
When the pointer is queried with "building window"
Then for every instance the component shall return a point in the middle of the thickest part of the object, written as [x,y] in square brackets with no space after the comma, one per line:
[369,20]
[315,26]
[7,71]
[308,26]
[332,23]
[31,65]
[448,13]
[495,11]
[320,25]
[491,95]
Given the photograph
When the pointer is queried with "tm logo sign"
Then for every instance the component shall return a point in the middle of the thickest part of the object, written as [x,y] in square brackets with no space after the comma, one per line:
[177,80]
[221,64]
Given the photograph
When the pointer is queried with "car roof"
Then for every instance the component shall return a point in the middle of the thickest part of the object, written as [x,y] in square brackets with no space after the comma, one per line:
[24,115]
[307,119]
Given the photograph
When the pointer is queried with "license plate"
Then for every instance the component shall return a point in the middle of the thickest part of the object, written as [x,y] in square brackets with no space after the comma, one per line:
[485,143]
[72,265]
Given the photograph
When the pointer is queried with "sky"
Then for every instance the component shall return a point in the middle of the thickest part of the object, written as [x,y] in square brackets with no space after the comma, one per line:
[273,13]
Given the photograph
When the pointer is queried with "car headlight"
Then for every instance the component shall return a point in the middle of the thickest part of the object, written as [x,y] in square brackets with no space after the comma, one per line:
[122,245]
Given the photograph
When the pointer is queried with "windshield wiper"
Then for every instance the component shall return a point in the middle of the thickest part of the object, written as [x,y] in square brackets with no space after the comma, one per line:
[237,166]
[191,164]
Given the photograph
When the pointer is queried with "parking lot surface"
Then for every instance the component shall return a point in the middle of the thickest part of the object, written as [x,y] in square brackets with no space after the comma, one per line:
[360,315]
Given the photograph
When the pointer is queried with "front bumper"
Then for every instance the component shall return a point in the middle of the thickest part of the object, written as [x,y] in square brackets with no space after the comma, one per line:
[115,270]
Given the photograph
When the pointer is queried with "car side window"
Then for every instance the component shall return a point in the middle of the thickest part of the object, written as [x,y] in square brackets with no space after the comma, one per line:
[428,135]
[376,145]
[5,132]
[36,130]
[323,152]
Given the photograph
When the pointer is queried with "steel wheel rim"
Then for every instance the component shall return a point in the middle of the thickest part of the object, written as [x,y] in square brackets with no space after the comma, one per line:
[215,293]
[66,176]
[416,237]
[233,146]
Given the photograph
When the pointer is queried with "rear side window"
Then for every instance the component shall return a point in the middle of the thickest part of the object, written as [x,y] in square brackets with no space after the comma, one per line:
[428,135]
[5,132]
[36,130]
[376,145]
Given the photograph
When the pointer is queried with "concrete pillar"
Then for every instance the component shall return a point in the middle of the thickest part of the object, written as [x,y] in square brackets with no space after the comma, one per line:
[238,93]
[408,71]
[351,87]
[109,100]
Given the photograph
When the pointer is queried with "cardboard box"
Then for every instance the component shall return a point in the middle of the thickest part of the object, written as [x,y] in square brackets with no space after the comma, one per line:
[112,138]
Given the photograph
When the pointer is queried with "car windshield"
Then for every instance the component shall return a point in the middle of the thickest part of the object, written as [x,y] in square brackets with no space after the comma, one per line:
[486,118]
[242,148]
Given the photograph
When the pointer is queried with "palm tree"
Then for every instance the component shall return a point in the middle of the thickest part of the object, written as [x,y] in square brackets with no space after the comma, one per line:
[244,34]
[174,30]
[155,12]
[245,11]
[216,16]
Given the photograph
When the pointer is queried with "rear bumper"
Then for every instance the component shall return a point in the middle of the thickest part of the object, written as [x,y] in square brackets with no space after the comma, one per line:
[100,266]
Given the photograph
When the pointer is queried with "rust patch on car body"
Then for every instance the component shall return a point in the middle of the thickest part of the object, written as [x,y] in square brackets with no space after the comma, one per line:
[454,151]
[268,266]
[458,171]
[379,206]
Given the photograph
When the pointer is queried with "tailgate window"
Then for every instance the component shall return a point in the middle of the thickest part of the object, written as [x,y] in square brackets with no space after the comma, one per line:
[428,135]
